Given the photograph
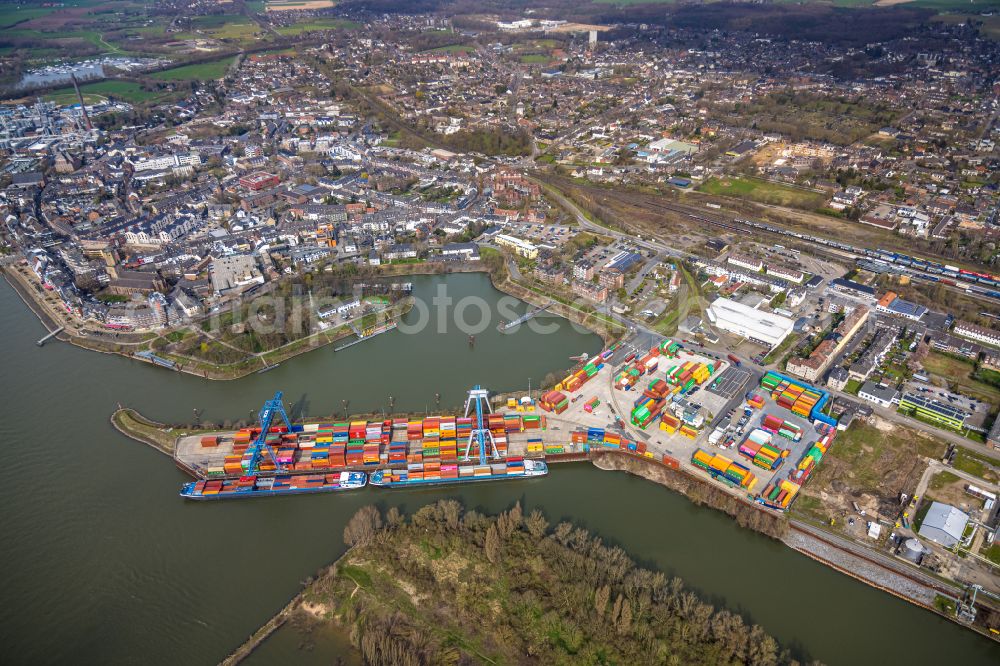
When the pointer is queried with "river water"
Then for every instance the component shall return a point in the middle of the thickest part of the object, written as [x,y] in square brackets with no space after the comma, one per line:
[103,563]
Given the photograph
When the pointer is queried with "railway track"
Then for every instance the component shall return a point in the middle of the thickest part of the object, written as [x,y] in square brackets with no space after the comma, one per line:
[956,282]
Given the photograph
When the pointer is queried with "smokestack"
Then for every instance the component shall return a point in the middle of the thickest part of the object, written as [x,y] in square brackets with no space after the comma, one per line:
[83,107]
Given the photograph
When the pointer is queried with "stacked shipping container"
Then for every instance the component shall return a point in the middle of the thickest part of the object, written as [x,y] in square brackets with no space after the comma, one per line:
[721,467]
[554,401]
[800,399]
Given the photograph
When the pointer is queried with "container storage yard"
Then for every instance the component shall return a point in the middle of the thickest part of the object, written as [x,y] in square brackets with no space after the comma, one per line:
[647,402]
[652,403]
[783,436]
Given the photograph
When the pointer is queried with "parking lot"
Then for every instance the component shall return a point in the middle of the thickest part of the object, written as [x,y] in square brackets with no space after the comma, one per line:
[730,383]
[541,234]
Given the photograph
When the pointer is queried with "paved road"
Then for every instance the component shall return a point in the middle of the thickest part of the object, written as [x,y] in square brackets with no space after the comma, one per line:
[649,266]
[935,466]
[515,272]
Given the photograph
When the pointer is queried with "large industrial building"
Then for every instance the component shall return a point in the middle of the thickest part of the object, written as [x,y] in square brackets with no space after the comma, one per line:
[943,524]
[764,328]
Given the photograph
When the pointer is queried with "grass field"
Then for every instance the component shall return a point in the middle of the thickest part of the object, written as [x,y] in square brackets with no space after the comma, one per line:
[942,480]
[317,24]
[11,16]
[92,36]
[959,372]
[779,352]
[536,44]
[534,59]
[990,27]
[281,5]
[956,5]
[977,464]
[688,302]
[762,191]
[454,48]
[205,71]
[95,92]
[68,98]
[226,27]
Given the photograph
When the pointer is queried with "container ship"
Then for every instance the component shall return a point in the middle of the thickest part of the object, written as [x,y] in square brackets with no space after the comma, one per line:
[270,486]
[427,474]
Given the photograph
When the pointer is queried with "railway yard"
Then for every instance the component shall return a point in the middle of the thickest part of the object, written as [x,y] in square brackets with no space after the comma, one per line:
[978,284]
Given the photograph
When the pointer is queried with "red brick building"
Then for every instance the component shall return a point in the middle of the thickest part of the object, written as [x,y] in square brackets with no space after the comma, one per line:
[259,180]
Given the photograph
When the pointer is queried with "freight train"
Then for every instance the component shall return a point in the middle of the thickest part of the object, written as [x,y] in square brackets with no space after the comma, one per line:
[935,268]
[983,284]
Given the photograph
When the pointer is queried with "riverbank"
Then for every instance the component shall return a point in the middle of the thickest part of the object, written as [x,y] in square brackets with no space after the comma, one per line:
[23,291]
[265,361]
[135,426]
[128,344]
[696,489]
[298,603]
[78,477]
[868,566]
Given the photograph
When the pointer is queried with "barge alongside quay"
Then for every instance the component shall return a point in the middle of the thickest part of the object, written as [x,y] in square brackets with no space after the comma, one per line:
[270,486]
[514,468]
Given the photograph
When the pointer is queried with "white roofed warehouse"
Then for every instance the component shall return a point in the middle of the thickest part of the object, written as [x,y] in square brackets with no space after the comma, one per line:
[764,328]
[943,524]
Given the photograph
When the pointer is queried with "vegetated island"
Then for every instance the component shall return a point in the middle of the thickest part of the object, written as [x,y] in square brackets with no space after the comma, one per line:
[454,586]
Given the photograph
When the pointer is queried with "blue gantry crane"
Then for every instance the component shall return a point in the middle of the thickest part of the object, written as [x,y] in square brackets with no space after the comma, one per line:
[480,432]
[272,408]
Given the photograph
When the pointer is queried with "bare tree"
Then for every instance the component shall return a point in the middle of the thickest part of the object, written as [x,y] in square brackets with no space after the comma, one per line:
[601,597]
[493,544]
[363,526]
[537,524]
